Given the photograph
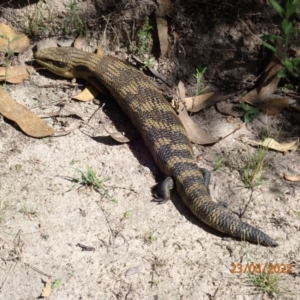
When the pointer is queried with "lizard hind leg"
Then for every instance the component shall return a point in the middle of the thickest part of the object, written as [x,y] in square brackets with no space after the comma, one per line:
[164,191]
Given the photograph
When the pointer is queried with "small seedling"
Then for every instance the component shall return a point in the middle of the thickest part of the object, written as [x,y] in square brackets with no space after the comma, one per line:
[30,211]
[218,163]
[75,20]
[298,214]
[266,282]
[36,19]
[144,42]
[144,37]
[73,162]
[9,55]
[154,282]
[91,180]
[45,236]
[199,76]
[56,284]
[252,171]
[149,237]
[127,214]
[250,112]
[287,31]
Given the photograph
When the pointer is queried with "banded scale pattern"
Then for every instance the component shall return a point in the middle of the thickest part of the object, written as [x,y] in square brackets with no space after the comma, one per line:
[159,126]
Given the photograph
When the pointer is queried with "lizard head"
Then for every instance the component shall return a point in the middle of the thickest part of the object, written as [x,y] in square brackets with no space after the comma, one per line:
[67,62]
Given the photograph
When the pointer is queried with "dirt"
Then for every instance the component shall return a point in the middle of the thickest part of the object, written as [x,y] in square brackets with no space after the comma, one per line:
[135,248]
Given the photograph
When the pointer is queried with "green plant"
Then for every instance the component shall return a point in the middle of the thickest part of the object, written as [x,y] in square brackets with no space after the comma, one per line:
[31,211]
[90,179]
[252,170]
[9,55]
[144,37]
[149,237]
[75,19]
[154,282]
[35,19]
[250,112]
[56,284]
[45,236]
[127,214]
[266,282]
[199,76]
[73,162]
[218,163]
[287,31]
[144,42]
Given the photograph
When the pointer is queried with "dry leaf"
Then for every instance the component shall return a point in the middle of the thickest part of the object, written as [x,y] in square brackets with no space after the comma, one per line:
[47,289]
[11,40]
[181,90]
[195,133]
[63,112]
[297,53]
[273,105]
[162,30]
[291,178]
[227,109]
[164,7]
[15,74]
[202,101]
[269,80]
[80,42]
[30,123]
[99,51]
[274,145]
[88,94]
[118,136]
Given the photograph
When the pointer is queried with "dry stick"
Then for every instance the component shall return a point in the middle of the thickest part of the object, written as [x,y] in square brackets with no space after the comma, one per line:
[226,136]
[10,269]
[37,270]
[104,31]
[108,223]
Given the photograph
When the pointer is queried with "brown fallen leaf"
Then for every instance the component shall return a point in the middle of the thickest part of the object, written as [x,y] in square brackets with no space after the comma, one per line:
[269,80]
[274,145]
[89,93]
[100,51]
[227,109]
[273,105]
[15,74]
[11,40]
[30,123]
[80,42]
[195,133]
[63,112]
[164,9]
[292,178]
[47,289]
[202,101]
[162,31]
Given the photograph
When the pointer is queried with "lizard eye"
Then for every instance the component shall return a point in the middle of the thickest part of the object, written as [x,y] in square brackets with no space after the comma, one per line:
[59,64]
